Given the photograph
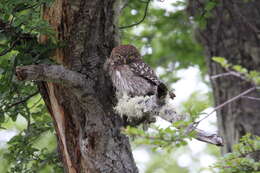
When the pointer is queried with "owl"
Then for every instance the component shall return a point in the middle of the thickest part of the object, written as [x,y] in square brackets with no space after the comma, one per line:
[130,75]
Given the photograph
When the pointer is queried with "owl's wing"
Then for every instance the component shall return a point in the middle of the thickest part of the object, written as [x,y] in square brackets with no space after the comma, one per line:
[145,71]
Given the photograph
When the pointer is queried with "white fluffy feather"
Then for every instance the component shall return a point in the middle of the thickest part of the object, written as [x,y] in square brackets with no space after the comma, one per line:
[137,107]
[131,107]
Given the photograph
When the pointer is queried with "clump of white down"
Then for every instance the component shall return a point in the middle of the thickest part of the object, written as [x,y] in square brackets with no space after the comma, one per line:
[131,106]
[137,107]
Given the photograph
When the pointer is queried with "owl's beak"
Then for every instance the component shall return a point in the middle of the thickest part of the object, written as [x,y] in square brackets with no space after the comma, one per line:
[124,61]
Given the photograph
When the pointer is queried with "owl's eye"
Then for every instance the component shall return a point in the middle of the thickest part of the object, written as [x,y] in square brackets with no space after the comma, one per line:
[119,57]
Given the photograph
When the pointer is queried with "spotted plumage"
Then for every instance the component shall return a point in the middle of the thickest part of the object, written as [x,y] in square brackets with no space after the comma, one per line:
[131,75]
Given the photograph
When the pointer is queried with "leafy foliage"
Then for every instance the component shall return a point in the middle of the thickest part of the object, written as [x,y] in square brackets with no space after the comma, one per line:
[222,61]
[165,138]
[26,156]
[33,149]
[239,161]
[252,76]
[20,27]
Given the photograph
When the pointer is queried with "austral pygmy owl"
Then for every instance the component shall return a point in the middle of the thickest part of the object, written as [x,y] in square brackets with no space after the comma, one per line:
[130,75]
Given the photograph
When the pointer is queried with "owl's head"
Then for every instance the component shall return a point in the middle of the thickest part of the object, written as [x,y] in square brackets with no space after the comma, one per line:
[125,54]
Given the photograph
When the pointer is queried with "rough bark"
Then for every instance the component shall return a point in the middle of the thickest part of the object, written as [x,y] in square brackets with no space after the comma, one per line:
[87,128]
[232,32]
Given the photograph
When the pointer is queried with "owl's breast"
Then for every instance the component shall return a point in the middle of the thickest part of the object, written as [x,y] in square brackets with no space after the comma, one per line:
[125,81]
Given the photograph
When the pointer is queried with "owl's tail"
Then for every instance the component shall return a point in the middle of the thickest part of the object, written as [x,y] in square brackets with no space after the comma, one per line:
[162,92]
[172,95]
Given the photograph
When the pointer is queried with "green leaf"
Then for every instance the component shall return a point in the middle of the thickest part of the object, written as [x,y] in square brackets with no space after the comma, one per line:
[239,68]
[222,61]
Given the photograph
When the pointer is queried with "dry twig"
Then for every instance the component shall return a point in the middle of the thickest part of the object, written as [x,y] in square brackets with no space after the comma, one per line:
[227,102]
[137,23]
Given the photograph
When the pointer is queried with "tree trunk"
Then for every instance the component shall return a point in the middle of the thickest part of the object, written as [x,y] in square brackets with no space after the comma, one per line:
[88,131]
[232,32]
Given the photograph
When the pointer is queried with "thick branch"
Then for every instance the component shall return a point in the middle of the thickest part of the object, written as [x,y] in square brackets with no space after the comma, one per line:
[139,106]
[201,135]
[252,98]
[51,73]
[210,138]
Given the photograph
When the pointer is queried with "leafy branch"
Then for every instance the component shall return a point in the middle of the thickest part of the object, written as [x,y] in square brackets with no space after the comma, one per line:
[22,101]
[238,161]
[238,71]
[160,137]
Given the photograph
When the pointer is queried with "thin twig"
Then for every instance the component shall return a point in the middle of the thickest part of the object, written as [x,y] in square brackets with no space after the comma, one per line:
[220,75]
[229,73]
[11,21]
[22,101]
[7,27]
[137,23]
[28,116]
[36,103]
[252,98]
[227,102]
[26,8]
[237,74]
[10,48]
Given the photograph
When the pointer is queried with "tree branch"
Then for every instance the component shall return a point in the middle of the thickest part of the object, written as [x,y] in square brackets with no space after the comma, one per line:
[230,73]
[14,33]
[51,73]
[251,98]
[12,45]
[201,135]
[220,75]
[137,23]
[23,100]
[139,106]
[227,102]
[210,138]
